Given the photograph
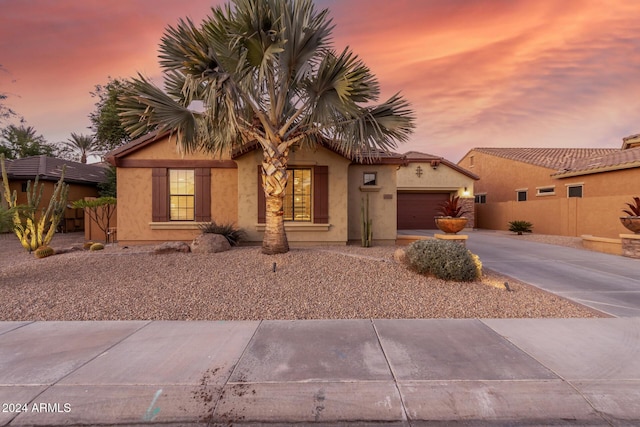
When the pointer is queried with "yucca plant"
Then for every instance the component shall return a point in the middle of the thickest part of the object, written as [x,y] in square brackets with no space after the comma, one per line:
[634,209]
[233,235]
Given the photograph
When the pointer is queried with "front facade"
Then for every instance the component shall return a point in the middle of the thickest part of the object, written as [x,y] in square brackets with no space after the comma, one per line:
[164,195]
[561,191]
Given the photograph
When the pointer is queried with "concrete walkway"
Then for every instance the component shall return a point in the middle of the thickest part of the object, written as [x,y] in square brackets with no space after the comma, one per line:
[334,372]
[608,283]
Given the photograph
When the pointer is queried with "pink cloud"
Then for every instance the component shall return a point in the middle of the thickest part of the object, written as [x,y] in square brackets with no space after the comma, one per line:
[484,72]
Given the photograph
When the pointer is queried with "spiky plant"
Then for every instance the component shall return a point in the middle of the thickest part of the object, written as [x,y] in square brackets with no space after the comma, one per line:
[520,227]
[634,209]
[452,208]
[233,235]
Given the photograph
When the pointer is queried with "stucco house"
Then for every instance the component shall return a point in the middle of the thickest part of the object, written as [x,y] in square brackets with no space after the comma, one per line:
[562,191]
[164,194]
[83,180]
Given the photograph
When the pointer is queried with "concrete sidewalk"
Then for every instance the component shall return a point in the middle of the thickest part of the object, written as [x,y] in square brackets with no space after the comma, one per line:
[395,372]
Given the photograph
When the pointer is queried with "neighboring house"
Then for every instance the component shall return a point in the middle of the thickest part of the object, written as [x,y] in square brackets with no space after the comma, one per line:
[164,194]
[562,191]
[83,182]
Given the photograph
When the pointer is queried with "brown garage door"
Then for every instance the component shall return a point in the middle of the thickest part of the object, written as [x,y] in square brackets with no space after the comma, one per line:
[417,210]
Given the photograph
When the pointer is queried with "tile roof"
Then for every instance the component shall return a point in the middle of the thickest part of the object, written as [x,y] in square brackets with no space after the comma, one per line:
[551,158]
[417,156]
[616,160]
[50,168]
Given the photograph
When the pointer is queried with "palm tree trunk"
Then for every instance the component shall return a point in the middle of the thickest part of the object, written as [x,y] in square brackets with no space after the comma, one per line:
[275,238]
[274,182]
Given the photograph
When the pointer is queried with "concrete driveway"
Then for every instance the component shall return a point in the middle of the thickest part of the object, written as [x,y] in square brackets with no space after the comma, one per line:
[608,283]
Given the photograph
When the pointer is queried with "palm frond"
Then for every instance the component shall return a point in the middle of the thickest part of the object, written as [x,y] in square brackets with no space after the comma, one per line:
[145,107]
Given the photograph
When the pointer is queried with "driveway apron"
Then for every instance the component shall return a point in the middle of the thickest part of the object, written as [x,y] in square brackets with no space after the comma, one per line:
[608,283]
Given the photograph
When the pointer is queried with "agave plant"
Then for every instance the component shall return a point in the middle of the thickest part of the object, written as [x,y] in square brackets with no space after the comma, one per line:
[634,209]
[452,208]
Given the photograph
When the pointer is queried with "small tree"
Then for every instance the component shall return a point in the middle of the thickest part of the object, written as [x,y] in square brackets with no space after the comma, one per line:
[100,211]
[33,228]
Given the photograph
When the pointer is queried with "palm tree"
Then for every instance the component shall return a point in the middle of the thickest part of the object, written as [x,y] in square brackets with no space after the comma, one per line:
[85,145]
[265,71]
[23,141]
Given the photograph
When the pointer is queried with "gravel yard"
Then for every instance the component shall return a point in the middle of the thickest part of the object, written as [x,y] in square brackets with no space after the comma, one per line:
[342,282]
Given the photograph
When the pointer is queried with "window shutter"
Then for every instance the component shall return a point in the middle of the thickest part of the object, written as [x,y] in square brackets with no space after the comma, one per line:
[262,200]
[203,194]
[321,194]
[159,195]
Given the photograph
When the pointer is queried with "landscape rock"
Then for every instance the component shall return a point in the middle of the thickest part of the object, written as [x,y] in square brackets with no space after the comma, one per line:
[400,256]
[209,243]
[171,247]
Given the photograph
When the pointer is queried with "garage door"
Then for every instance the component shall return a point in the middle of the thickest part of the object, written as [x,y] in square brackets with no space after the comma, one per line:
[417,210]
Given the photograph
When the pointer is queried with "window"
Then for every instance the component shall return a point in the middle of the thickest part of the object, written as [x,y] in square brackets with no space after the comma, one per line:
[181,195]
[522,195]
[574,190]
[297,199]
[471,161]
[481,198]
[369,178]
[546,191]
[23,187]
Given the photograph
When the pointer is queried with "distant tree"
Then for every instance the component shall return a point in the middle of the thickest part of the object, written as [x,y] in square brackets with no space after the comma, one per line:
[109,187]
[22,141]
[81,146]
[105,122]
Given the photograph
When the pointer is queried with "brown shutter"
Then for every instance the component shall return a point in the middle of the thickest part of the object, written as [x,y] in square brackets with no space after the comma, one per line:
[203,194]
[321,195]
[159,195]
[262,200]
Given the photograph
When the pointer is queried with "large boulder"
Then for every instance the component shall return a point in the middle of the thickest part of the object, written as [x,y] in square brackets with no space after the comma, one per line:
[171,247]
[210,243]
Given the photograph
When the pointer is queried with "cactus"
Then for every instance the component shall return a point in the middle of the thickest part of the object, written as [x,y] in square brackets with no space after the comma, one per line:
[33,228]
[96,247]
[43,252]
[366,224]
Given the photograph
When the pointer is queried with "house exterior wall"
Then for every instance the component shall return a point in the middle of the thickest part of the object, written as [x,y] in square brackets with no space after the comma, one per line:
[383,202]
[135,224]
[440,179]
[335,232]
[596,213]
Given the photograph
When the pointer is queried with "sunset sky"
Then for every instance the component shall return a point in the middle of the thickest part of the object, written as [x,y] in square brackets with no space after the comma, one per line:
[490,73]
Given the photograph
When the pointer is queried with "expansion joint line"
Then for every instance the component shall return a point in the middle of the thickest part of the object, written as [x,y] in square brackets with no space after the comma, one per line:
[405,416]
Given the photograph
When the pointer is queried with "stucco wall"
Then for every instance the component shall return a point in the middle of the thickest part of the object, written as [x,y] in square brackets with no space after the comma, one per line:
[596,213]
[135,225]
[309,233]
[442,178]
[383,202]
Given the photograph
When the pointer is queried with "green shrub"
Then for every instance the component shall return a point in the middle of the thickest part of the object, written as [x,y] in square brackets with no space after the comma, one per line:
[232,234]
[445,260]
[96,247]
[87,245]
[520,227]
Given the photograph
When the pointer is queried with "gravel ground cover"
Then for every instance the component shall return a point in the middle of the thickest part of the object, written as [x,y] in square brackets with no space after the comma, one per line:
[341,282]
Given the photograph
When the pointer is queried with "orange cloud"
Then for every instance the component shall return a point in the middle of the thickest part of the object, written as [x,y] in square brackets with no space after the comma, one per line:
[477,72]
